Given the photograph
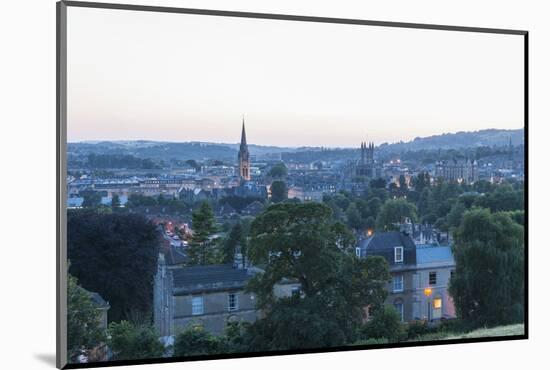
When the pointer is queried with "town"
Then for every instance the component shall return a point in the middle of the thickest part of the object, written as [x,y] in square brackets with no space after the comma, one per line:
[242,242]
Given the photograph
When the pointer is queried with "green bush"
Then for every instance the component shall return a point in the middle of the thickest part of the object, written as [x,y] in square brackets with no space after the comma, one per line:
[195,341]
[386,323]
[418,328]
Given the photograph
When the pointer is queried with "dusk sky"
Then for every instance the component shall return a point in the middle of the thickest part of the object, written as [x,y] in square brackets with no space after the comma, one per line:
[177,77]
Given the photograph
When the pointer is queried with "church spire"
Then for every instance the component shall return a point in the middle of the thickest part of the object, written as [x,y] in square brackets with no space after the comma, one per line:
[243,136]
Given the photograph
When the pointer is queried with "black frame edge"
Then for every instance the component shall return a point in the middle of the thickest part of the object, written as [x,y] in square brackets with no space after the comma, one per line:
[288,17]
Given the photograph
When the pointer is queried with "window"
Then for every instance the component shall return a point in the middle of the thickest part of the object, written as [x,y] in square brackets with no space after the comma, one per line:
[452,274]
[398,305]
[358,252]
[436,308]
[232,302]
[433,278]
[398,254]
[197,305]
[398,283]
[295,291]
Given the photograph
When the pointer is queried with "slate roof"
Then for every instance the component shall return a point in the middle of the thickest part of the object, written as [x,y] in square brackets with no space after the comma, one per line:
[387,240]
[434,255]
[382,244]
[175,256]
[209,278]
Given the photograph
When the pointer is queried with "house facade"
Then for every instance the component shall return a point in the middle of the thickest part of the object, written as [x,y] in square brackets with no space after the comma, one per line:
[420,275]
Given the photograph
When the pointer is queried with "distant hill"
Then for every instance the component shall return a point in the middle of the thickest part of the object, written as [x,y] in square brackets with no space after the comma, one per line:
[458,140]
[222,151]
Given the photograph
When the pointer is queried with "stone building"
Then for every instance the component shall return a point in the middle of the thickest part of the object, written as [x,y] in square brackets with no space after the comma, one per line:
[208,295]
[461,170]
[420,275]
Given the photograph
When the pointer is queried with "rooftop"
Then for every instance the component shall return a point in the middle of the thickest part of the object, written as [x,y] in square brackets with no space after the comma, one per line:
[195,279]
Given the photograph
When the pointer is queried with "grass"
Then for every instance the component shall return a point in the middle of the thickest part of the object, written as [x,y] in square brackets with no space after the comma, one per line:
[499,331]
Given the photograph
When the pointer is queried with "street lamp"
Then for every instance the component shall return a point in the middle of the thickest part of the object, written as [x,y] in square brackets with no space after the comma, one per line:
[428,294]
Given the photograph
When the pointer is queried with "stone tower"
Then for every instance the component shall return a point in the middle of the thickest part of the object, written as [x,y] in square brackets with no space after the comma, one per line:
[244,158]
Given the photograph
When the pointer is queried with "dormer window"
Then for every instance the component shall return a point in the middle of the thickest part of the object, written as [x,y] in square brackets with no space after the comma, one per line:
[398,254]
[358,252]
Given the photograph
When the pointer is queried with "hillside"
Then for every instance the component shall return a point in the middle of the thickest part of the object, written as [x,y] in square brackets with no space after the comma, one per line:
[223,151]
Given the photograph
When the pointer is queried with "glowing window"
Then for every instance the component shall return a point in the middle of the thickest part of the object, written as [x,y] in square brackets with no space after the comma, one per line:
[437,304]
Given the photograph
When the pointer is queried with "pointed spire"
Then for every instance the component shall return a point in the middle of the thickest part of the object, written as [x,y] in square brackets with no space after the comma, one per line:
[243,135]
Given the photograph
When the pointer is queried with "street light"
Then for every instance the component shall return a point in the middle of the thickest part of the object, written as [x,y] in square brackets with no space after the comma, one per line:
[428,294]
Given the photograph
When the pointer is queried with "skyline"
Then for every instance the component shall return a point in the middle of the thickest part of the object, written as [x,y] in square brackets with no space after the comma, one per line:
[184,78]
[236,142]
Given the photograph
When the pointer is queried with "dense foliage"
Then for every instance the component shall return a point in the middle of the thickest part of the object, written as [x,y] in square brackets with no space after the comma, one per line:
[301,242]
[115,255]
[130,341]
[488,287]
[202,250]
[84,330]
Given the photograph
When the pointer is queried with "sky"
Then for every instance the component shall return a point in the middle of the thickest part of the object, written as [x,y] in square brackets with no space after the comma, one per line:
[180,77]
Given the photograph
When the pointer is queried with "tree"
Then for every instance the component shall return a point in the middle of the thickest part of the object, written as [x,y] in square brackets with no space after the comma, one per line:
[115,255]
[130,341]
[454,217]
[195,341]
[488,285]
[403,187]
[386,323]
[354,217]
[421,181]
[394,212]
[115,202]
[301,243]
[236,239]
[378,183]
[84,330]
[201,248]
[91,198]
[278,171]
[279,191]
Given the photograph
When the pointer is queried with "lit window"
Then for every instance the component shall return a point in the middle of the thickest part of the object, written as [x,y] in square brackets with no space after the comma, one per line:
[398,283]
[398,254]
[433,278]
[436,314]
[197,305]
[233,302]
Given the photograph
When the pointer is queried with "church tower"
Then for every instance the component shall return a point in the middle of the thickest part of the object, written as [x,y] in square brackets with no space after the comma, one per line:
[244,158]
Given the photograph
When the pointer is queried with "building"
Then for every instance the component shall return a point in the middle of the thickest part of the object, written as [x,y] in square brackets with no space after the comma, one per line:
[365,166]
[244,157]
[209,296]
[461,170]
[420,275]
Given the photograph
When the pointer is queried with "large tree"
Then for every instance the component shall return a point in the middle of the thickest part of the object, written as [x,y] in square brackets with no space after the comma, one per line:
[279,191]
[393,212]
[488,286]
[115,255]
[300,242]
[84,331]
[201,250]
